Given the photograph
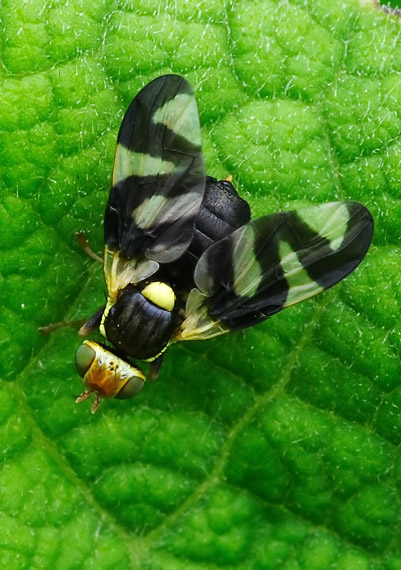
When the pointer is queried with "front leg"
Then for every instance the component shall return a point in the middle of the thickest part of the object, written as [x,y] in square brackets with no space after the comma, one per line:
[53,326]
[91,324]
[87,325]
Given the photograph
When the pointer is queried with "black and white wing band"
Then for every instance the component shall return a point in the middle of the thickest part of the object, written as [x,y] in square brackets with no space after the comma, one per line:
[274,262]
[158,183]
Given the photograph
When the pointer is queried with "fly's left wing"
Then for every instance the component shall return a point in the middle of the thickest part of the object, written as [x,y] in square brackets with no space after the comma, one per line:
[274,262]
[158,183]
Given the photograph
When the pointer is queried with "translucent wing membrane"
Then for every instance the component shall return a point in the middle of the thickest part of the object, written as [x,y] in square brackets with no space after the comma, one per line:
[159,174]
[273,262]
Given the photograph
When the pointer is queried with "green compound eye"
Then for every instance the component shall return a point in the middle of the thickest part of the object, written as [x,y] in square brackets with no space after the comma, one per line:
[84,358]
[131,388]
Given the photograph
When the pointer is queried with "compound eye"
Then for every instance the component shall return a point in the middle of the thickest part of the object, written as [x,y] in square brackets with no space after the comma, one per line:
[131,388]
[84,358]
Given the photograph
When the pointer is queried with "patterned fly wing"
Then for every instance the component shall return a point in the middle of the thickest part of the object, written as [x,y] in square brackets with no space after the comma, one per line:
[274,262]
[158,183]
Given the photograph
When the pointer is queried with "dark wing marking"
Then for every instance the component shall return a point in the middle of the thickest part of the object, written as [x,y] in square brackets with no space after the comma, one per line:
[274,262]
[159,174]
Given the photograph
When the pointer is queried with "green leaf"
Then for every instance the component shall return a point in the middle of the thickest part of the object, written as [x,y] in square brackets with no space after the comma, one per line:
[277,447]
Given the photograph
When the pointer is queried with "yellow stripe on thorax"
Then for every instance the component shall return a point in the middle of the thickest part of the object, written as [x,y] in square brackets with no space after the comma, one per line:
[109,304]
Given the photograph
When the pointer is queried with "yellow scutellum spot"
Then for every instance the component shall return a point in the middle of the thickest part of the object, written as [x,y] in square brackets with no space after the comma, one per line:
[160,294]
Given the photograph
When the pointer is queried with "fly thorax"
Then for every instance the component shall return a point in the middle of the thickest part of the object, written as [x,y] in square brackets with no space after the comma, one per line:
[142,320]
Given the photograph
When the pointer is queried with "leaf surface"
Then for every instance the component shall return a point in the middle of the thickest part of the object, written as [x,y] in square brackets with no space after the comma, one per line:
[277,447]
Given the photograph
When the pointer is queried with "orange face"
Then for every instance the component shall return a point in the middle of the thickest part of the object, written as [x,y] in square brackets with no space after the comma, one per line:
[105,374]
[105,380]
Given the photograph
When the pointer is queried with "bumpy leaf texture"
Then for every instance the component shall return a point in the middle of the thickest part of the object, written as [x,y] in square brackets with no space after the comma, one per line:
[278,447]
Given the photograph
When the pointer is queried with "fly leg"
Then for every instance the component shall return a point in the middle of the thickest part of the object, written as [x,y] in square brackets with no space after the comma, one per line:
[86,325]
[83,242]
